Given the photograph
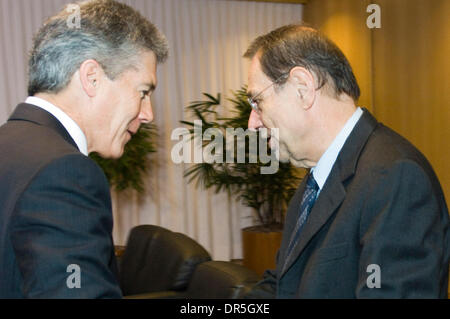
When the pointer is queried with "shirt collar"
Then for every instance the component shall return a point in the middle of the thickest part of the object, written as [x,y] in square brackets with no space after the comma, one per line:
[72,128]
[326,162]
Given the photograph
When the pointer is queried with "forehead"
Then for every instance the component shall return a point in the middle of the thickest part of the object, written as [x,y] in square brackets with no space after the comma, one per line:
[148,60]
[257,80]
[146,69]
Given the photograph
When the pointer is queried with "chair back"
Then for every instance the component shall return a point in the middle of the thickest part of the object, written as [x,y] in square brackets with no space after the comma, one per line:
[156,259]
[220,280]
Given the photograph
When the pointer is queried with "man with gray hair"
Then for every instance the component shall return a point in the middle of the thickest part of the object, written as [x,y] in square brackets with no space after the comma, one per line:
[89,91]
[370,219]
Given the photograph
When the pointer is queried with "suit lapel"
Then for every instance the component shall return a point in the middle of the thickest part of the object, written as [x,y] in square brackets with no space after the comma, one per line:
[32,113]
[333,192]
[331,196]
[292,215]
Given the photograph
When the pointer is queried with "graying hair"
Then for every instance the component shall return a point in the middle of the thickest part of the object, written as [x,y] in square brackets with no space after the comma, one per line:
[111,33]
[299,45]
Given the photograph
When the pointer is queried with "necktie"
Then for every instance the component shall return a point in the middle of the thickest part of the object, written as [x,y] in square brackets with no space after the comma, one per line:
[308,199]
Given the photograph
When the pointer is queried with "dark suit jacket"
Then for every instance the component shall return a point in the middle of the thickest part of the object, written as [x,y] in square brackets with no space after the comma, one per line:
[55,211]
[381,204]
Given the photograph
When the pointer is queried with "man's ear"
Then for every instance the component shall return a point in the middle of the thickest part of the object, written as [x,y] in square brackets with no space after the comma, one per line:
[303,81]
[90,73]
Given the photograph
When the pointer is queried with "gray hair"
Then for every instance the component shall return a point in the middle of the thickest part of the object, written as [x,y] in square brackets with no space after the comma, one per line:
[299,45]
[111,33]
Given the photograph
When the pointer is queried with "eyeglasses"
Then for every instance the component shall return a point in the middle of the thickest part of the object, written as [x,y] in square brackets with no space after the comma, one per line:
[252,99]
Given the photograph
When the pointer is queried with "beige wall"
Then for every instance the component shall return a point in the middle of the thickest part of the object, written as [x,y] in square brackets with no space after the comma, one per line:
[403,68]
[411,77]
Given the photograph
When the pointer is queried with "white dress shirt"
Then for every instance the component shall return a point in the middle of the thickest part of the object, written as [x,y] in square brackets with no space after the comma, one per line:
[72,128]
[326,162]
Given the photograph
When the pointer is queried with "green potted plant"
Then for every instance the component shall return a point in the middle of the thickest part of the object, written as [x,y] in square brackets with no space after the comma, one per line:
[267,194]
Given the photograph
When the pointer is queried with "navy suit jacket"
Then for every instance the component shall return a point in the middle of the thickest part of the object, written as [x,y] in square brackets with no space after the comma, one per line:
[55,211]
[380,214]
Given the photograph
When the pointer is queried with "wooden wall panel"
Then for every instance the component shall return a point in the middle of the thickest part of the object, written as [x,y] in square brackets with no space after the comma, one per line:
[344,22]
[412,77]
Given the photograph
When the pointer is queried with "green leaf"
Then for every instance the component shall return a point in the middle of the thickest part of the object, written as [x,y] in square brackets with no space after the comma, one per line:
[269,195]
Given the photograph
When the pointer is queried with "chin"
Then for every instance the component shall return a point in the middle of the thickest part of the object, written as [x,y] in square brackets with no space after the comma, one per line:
[282,152]
[283,158]
[297,163]
[117,155]
[112,154]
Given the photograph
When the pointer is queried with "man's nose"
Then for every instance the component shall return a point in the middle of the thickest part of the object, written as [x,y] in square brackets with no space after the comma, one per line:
[254,121]
[146,114]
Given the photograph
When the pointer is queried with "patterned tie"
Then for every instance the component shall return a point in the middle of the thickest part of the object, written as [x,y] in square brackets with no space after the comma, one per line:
[308,199]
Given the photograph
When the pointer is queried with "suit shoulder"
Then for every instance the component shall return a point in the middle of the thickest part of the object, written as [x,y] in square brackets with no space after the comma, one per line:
[26,148]
[388,151]
[386,147]
[71,176]
[30,141]
[33,149]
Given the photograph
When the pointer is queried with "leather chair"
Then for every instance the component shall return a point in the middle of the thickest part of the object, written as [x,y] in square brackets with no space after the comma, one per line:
[220,280]
[158,262]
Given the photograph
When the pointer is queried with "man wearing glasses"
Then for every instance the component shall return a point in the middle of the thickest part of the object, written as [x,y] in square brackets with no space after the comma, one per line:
[370,219]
